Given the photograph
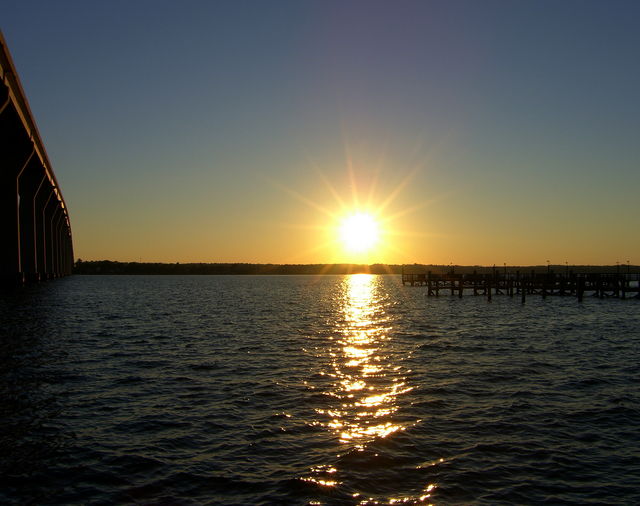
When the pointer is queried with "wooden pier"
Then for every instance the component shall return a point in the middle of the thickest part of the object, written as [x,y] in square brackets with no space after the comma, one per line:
[546,284]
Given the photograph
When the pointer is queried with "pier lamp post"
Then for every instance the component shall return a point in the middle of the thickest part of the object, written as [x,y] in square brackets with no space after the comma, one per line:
[627,266]
[505,270]
[566,270]
[548,267]
[618,268]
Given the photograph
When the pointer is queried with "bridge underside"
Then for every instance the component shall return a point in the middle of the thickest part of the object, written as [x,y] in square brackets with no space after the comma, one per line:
[35,233]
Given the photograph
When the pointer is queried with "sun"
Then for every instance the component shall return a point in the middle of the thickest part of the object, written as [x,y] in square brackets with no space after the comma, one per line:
[360,219]
[359,232]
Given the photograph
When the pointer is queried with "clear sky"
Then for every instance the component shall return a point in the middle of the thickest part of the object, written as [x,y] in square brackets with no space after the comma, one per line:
[474,132]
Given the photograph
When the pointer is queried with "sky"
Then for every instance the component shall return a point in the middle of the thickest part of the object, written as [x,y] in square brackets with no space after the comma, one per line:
[247,131]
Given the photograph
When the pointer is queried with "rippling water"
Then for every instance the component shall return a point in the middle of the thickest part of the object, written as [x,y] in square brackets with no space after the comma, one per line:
[313,390]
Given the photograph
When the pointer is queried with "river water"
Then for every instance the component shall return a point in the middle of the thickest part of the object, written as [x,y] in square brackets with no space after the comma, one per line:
[313,390]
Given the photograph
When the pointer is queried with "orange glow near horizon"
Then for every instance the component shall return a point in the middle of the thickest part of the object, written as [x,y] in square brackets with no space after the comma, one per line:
[357,214]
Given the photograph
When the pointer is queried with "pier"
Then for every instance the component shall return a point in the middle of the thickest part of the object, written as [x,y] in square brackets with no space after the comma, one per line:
[35,231]
[521,284]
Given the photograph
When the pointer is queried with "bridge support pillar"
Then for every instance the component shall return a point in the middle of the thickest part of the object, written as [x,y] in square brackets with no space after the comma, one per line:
[48,214]
[16,154]
[55,240]
[69,250]
[29,181]
[58,235]
[10,269]
[40,200]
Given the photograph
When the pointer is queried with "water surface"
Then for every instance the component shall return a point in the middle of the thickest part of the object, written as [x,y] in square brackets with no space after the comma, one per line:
[323,390]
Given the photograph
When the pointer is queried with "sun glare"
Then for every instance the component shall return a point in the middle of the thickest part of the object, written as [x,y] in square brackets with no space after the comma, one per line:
[359,232]
[362,222]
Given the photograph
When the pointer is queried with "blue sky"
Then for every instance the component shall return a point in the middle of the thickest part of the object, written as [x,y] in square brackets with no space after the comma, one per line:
[223,131]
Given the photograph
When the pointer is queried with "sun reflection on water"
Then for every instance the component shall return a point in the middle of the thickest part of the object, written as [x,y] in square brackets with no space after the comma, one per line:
[366,382]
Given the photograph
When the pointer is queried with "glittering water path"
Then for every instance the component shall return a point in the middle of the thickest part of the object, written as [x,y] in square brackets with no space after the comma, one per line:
[328,390]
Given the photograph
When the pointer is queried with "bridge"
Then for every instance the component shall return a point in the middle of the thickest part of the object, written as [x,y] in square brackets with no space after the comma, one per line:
[35,232]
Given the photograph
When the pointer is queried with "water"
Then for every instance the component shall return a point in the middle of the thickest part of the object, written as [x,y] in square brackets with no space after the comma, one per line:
[313,390]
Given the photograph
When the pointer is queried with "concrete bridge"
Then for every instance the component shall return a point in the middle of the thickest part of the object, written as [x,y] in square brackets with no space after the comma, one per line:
[35,232]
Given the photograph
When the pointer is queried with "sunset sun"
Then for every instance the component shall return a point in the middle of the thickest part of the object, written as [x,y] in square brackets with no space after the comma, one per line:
[359,216]
[359,232]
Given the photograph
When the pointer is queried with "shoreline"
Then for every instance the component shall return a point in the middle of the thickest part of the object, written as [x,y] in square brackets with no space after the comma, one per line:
[108,267]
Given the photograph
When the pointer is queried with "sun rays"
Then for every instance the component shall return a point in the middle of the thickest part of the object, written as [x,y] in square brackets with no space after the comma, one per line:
[360,217]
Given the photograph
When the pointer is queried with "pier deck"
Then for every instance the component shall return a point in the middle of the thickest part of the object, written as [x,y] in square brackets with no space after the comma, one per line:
[578,285]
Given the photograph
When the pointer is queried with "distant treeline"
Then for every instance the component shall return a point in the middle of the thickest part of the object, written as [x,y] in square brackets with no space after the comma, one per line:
[109,267]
